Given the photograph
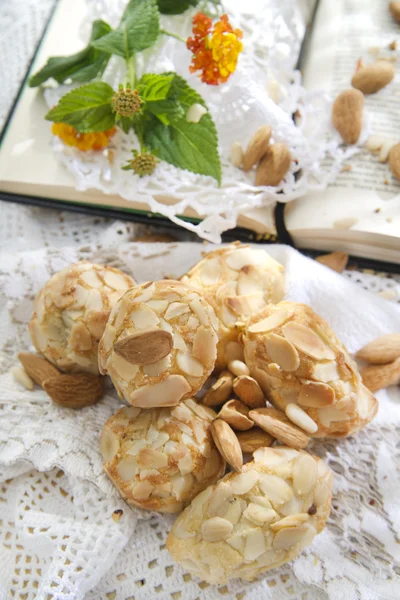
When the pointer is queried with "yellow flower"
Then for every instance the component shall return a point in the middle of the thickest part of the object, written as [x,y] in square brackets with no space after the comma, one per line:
[226,48]
[96,140]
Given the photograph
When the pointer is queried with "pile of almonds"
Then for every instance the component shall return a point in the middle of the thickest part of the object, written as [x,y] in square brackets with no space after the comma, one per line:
[272,161]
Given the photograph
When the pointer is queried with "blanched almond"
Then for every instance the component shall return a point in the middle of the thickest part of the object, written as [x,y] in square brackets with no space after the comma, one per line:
[300,418]
[22,377]
[145,347]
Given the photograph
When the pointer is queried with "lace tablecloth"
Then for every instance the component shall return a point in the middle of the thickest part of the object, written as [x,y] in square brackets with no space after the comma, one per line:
[142,571]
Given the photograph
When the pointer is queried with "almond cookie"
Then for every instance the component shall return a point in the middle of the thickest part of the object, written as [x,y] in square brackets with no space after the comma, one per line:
[71,312]
[298,360]
[256,520]
[238,281]
[160,344]
[161,458]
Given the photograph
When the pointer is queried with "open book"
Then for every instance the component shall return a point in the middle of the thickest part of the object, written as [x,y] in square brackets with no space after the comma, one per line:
[359,213]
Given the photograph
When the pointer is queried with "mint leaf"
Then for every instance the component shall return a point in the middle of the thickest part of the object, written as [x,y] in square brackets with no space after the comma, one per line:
[175,7]
[87,108]
[82,66]
[155,87]
[138,30]
[192,146]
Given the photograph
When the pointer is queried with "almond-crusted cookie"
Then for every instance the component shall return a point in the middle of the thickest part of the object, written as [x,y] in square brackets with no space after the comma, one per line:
[160,344]
[161,458]
[71,312]
[238,281]
[297,359]
[256,520]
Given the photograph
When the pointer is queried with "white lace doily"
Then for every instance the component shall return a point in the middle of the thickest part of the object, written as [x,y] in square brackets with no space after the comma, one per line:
[272,34]
[58,536]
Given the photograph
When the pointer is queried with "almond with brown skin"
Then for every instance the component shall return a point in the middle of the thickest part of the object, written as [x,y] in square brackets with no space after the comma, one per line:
[394,161]
[372,78]
[347,115]
[394,8]
[74,391]
[220,391]
[257,147]
[39,369]
[377,377]
[227,443]
[235,413]
[276,424]
[247,389]
[274,165]
[253,439]
[337,261]
[383,350]
[145,347]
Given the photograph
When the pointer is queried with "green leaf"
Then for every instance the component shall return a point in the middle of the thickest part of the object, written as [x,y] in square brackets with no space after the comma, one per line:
[87,108]
[138,30]
[175,7]
[166,110]
[192,146]
[155,87]
[82,66]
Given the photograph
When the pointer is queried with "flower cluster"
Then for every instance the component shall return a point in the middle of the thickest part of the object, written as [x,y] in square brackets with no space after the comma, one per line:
[142,163]
[215,49]
[83,141]
[126,102]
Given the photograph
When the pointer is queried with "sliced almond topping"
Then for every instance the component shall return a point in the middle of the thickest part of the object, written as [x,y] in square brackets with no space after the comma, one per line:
[80,339]
[282,352]
[325,372]
[116,280]
[220,391]
[315,394]
[244,482]
[255,544]
[244,256]
[299,417]
[189,365]
[275,320]
[210,271]
[144,318]
[182,485]
[148,458]
[142,490]
[234,351]
[248,390]
[176,309]
[304,474]
[145,347]
[124,369]
[289,536]
[126,468]
[321,493]
[236,413]
[145,293]
[275,488]
[109,444]
[252,440]
[223,493]
[279,427]
[307,341]
[259,515]
[216,529]
[185,464]
[330,414]
[205,346]
[159,306]
[165,393]
[227,444]
[158,368]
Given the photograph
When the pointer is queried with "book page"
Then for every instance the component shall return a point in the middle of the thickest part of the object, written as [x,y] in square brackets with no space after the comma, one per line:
[367,193]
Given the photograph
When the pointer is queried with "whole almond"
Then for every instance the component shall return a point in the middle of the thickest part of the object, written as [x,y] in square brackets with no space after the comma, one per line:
[253,439]
[394,8]
[257,147]
[235,413]
[347,115]
[145,347]
[372,78]
[247,389]
[383,350]
[39,369]
[337,261]
[377,377]
[227,443]
[274,165]
[394,161]
[220,391]
[74,391]
[276,424]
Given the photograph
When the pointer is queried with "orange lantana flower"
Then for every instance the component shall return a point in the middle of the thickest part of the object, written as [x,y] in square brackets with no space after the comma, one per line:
[215,50]
[83,141]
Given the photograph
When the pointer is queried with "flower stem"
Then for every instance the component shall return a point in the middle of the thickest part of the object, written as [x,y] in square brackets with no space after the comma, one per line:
[174,35]
[131,70]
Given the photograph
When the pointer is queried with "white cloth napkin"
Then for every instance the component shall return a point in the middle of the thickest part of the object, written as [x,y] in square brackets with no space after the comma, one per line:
[57,532]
